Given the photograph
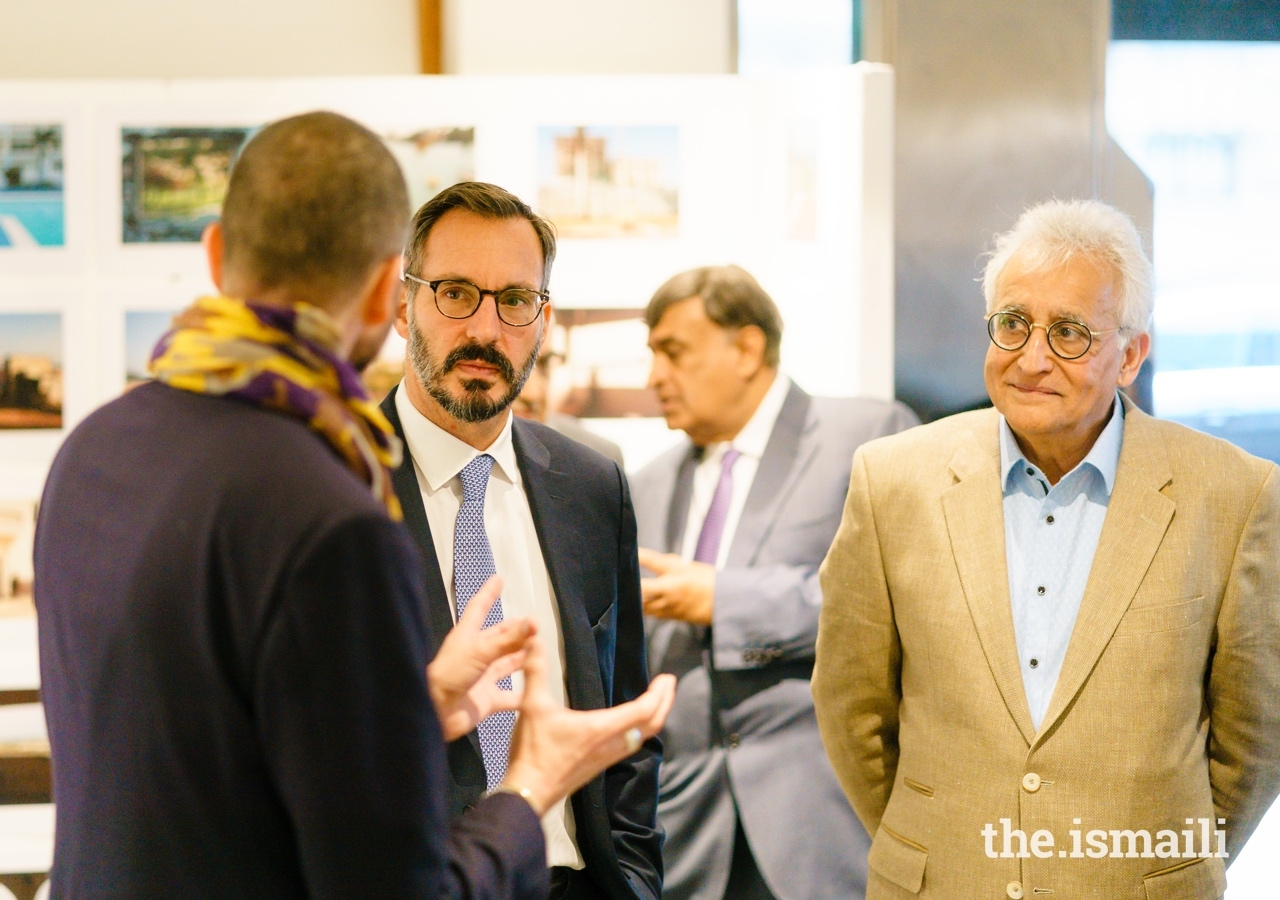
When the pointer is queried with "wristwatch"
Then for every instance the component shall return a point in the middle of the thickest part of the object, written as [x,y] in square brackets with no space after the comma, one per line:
[511,789]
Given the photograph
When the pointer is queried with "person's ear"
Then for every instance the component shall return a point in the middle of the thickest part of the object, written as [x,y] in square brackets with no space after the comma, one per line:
[382,299]
[750,342]
[1135,353]
[213,248]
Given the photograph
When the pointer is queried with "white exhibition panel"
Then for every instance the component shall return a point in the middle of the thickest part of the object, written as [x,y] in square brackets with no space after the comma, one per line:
[736,138]
[26,838]
[19,661]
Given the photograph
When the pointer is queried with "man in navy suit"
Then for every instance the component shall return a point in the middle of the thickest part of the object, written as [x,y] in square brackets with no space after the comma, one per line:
[557,515]
[232,630]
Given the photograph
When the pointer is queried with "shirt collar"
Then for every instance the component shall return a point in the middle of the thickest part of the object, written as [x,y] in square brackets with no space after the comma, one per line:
[754,436]
[440,456]
[1104,455]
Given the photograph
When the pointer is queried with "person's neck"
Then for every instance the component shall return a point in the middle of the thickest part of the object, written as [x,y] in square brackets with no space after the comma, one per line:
[740,412]
[479,435]
[1057,455]
[345,314]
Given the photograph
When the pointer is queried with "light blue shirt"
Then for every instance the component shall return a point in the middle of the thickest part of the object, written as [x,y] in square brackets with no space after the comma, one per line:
[1050,537]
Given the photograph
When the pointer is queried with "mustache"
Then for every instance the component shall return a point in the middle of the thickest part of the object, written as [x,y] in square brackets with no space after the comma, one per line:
[485,353]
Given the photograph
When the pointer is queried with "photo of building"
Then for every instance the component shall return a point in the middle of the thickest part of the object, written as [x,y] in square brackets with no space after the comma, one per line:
[610,182]
[30,370]
[31,202]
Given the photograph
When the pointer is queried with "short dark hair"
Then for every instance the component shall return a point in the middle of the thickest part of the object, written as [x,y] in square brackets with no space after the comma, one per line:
[314,202]
[730,297]
[483,199]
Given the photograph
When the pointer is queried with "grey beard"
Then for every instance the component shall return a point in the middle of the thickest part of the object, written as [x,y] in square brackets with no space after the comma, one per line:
[475,405]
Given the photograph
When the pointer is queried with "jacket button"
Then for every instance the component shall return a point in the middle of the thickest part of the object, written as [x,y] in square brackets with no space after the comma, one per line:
[1014,890]
[734,740]
[1031,782]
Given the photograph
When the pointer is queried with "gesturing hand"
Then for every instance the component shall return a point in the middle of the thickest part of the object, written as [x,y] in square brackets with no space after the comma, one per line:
[463,677]
[555,750]
[682,590]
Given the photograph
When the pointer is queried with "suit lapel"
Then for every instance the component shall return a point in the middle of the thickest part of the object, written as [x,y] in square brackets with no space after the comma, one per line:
[550,494]
[1138,516]
[405,479]
[974,512]
[783,461]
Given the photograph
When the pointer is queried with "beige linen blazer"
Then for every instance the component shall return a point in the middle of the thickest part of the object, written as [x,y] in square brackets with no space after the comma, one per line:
[1167,707]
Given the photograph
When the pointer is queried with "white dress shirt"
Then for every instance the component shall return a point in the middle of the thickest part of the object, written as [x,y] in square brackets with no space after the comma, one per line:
[438,457]
[750,443]
[1050,537]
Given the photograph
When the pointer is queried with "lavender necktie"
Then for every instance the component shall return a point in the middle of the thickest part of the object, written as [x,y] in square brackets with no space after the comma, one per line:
[713,525]
[472,566]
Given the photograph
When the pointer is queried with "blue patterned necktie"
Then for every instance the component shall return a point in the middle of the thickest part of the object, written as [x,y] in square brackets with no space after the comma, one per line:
[472,566]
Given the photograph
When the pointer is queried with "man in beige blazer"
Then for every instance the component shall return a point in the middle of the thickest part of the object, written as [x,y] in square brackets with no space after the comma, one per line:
[1048,661]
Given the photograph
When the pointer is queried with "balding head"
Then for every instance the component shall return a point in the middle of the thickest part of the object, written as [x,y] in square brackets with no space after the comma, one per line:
[315,203]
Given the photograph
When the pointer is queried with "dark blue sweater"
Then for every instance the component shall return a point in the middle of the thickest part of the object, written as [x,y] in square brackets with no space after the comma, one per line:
[233,652]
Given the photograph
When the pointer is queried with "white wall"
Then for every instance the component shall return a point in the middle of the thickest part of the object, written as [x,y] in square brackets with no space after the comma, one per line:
[188,39]
[588,36]
[264,38]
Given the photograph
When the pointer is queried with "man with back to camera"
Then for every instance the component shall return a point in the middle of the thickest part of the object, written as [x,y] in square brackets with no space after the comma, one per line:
[483,490]
[744,510]
[232,641]
[1049,660]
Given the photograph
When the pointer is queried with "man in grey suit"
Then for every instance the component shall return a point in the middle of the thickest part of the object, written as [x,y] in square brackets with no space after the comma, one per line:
[745,511]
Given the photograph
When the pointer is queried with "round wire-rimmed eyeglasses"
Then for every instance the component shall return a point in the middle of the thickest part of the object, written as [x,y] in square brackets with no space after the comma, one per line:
[1067,339]
[460,300]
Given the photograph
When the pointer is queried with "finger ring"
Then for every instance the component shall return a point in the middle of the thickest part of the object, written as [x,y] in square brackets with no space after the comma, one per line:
[633,739]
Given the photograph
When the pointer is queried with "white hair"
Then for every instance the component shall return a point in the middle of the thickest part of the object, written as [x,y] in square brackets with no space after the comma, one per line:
[1051,233]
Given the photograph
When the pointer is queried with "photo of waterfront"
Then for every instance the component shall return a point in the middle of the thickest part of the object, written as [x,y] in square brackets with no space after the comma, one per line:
[31,197]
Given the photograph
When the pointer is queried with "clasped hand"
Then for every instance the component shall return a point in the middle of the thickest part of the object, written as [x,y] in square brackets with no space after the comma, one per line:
[554,750]
[682,589]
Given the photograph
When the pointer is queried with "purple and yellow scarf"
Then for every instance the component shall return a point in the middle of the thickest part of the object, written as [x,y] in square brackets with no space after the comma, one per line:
[284,359]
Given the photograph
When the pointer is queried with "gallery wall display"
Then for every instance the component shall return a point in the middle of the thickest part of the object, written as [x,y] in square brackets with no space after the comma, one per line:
[106,188]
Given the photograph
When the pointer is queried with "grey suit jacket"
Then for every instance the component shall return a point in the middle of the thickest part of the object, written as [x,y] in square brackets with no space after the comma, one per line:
[761,746]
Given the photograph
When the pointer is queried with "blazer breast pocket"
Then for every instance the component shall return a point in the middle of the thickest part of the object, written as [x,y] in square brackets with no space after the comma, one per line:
[1162,617]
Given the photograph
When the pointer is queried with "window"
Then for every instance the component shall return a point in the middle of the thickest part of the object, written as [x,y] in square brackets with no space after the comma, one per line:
[1200,119]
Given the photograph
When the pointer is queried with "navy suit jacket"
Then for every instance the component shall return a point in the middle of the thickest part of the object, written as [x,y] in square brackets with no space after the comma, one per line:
[586,527]
[233,655]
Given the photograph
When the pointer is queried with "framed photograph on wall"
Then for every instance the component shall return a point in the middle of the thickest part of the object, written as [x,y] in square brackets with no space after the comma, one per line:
[173,181]
[142,331]
[31,380]
[32,205]
[432,159]
[610,181]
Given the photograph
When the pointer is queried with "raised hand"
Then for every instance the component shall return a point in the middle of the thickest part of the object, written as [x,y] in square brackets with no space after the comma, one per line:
[463,677]
[556,750]
[683,589]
